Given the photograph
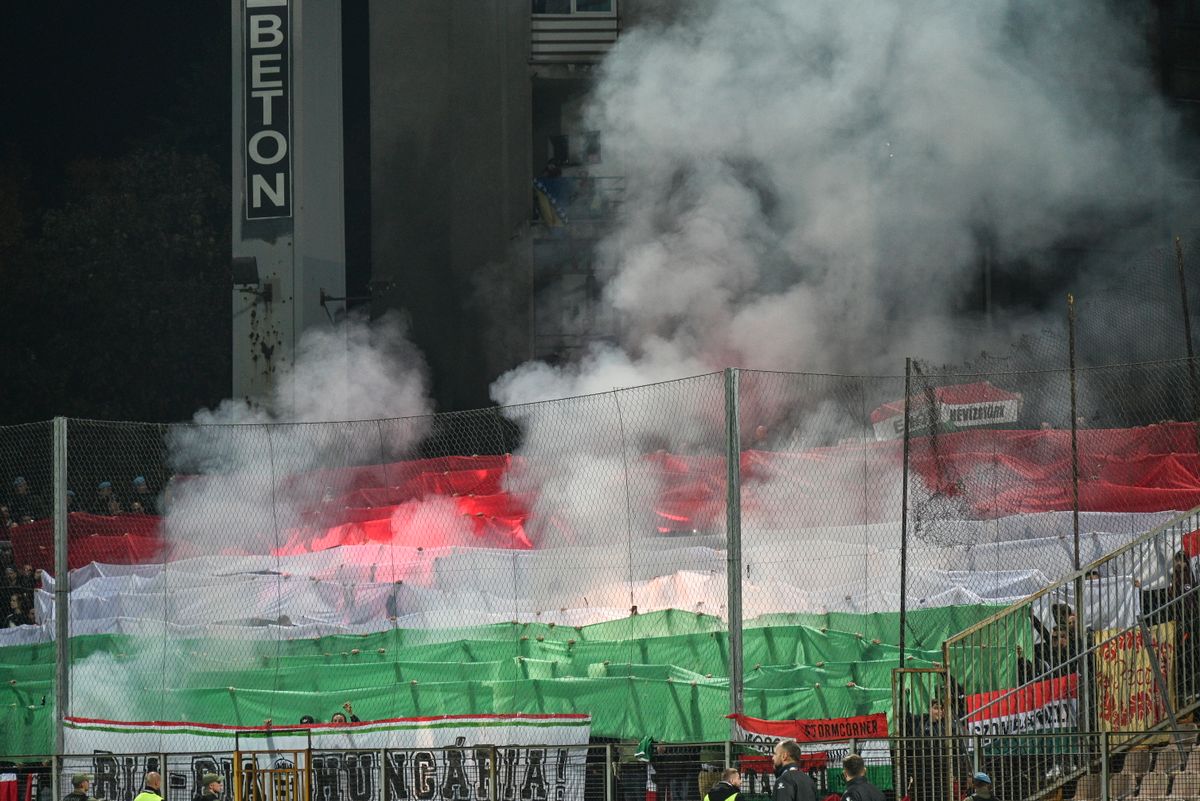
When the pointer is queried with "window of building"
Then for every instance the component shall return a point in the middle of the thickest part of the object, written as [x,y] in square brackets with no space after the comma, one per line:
[574,7]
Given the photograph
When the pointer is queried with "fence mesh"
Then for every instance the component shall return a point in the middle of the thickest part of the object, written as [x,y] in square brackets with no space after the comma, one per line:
[572,557]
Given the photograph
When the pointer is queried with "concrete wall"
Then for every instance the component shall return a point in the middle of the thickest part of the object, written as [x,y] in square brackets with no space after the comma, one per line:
[450,185]
[300,255]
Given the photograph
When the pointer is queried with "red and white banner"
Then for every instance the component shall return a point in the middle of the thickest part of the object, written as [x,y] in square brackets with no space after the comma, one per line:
[1048,705]
[822,741]
[958,406]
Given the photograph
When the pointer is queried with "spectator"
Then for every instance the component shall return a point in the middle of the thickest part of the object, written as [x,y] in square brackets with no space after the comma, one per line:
[153,789]
[791,783]
[307,720]
[114,507]
[932,754]
[31,616]
[1184,610]
[72,504]
[104,492]
[857,787]
[982,783]
[12,582]
[26,505]
[28,582]
[340,718]
[727,788]
[211,788]
[6,519]
[16,612]
[81,782]
[142,499]
[1027,671]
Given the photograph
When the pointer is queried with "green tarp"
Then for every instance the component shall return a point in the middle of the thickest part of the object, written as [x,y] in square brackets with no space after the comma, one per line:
[662,674]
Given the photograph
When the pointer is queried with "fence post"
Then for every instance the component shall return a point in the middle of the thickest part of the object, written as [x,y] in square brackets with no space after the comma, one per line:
[977,742]
[904,511]
[733,543]
[609,765]
[728,754]
[1104,767]
[1080,633]
[56,768]
[1193,383]
[62,585]
[493,791]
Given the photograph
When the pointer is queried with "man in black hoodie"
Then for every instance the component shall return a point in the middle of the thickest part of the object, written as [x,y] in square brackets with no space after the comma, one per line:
[791,783]
[727,788]
[857,787]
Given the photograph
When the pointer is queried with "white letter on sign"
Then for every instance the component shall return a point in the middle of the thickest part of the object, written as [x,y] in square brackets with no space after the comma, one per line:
[258,185]
[265,25]
[280,147]
[265,95]
[258,69]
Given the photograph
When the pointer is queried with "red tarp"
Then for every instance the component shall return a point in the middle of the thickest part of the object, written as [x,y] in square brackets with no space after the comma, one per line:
[986,473]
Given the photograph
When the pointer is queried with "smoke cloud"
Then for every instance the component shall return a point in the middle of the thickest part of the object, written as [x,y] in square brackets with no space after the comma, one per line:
[264,469]
[810,186]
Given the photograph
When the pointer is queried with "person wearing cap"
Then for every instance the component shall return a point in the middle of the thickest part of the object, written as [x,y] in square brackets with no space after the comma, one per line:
[211,787]
[983,788]
[142,499]
[25,506]
[854,769]
[81,782]
[104,494]
[153,789]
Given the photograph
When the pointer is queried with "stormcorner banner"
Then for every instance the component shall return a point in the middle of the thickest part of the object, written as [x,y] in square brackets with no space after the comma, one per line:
[1128,696]
[84,735]
[823,741]
[1050,705]
[533,773]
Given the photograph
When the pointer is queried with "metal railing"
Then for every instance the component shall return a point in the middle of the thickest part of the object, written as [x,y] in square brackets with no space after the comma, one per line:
[1109,648]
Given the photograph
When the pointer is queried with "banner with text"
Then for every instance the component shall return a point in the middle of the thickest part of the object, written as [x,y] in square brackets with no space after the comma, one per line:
[522,773]
[1051,705]
[1128,693]
[825,743]
[85,735]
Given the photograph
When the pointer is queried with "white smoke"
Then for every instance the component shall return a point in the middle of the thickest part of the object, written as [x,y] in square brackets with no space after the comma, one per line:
[355,395]
[811,187]
[808,184]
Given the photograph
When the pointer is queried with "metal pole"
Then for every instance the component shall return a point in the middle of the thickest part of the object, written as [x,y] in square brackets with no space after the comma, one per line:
[1160,682]
[728,754]
[1080,632]
[493,791]
[904,512]
[609,765]
[1074,428]
[1193,383]
[62,585]
[1104,767]
[733,544]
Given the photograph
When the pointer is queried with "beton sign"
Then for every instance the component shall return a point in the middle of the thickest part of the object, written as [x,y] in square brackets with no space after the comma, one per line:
[267,108]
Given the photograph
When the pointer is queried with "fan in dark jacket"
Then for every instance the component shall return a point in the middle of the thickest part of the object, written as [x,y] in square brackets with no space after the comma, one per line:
[857,786]
[792,783]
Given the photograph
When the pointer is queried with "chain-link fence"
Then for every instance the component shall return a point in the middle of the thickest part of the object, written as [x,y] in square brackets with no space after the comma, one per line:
[638,563]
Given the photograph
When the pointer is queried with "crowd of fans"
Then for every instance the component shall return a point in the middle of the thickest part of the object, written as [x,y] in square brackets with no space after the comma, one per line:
[24,504]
